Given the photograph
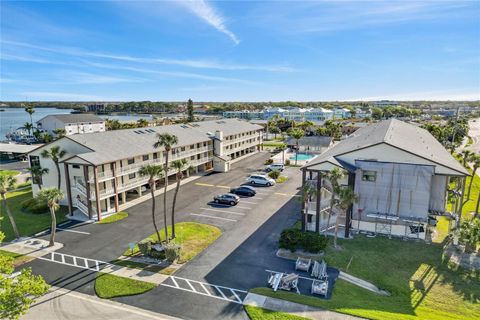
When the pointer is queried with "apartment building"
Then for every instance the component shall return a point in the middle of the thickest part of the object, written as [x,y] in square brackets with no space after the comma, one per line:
[100,173]
[71,123]
[400,174]
[295,114]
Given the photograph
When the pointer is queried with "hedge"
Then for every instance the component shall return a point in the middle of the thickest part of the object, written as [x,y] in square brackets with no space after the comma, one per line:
[34,206]
[293,239]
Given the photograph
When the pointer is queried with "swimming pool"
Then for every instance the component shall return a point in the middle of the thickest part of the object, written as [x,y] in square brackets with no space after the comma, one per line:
[302,157]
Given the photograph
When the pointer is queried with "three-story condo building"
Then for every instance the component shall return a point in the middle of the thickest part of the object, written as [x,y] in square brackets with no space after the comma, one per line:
[100,172]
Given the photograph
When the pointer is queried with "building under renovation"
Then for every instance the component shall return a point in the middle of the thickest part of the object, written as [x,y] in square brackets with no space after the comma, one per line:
[398,171]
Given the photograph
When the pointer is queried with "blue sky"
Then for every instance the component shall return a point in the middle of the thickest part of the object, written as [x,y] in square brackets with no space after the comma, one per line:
[239,51]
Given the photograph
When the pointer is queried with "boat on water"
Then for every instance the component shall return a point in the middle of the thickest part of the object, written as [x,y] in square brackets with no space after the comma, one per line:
[21,136]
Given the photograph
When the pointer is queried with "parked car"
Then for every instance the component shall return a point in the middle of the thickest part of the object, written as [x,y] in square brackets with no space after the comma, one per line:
[227,198]
[275,166]
[260,180]
[244,191]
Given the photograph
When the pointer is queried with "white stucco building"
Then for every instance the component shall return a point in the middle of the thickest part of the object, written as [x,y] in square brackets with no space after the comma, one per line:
[99,173]
[72,123]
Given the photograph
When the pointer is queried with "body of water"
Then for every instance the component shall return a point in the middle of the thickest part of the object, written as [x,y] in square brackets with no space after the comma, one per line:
[14,118]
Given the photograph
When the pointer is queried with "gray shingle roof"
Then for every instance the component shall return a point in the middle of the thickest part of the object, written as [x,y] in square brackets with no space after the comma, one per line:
[399,134]
[75,118]
[121,144]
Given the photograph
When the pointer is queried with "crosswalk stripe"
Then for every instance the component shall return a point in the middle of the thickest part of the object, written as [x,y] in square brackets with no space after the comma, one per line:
[213,217]
[225,211]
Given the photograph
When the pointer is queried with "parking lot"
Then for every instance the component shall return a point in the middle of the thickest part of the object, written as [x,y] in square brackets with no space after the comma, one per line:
[250,227]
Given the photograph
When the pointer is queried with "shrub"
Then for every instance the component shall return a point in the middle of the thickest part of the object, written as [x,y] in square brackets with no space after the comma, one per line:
[274,174]
[145,246]
[269,161]
[172,251]
[293,239]
[160,255]
[34,206]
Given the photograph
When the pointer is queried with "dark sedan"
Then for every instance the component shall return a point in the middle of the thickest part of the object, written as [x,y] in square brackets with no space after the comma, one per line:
[244,191]
[227,198]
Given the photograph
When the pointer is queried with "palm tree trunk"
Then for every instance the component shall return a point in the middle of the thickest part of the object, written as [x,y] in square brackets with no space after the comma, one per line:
[9,214]
[471,182]
[317,217]
[59,178]
[336,232]
[165,196]
[330,212]
[179,178]
[296,154]
[53,228]
[152,192]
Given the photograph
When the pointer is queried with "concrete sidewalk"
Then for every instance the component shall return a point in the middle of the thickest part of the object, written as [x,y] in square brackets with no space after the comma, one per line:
[297,309]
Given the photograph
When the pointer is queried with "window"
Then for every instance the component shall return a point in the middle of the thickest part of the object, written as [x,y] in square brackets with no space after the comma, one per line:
[131,161]
[155,155]
[34,161]
[131,176]
[369,175]
[145,157]
[76,166]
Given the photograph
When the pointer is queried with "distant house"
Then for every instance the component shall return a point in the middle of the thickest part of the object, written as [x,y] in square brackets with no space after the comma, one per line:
[399,172]
[72,123]
[314,144]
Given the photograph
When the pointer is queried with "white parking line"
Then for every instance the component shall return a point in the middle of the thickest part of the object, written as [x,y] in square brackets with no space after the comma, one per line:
[224,211]
[74,231]
[240,207]
[75,261]
[213,217]
[235,292]
[249,202]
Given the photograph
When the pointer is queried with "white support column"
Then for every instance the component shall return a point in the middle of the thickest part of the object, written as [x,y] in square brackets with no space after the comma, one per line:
[124,197]
[139,191]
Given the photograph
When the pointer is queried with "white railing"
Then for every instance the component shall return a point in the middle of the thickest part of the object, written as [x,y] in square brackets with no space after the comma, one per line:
[242,147]
[82,207]
[132,183]
[105,175]
[247,137]
[324,205]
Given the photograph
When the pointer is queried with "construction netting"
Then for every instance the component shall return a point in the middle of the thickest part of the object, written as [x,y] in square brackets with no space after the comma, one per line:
[396,189]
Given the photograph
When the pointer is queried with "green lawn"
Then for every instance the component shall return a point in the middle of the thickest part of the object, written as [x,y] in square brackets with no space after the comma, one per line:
[9,172]
[272,143]
[18,258]
[193,237]
[114,217]
[421,286]
[109,286]
[469,204]
[256,313]
[27,223]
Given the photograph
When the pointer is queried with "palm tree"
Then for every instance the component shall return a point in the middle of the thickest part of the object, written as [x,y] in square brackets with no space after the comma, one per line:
[333,176]
[55,154]
[37,172]
[59,132]
[275,130]
[297,134]
[30,112]
[153,172]
[46,137]
[466,155]
[51,196]
[165,140]
[346,197]
[475,159]
[142,123]
[179,166]
[308,191]
[28,126]
[8,183]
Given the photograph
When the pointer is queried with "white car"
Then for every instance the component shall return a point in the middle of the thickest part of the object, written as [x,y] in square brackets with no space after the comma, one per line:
[275,166]
[257,179]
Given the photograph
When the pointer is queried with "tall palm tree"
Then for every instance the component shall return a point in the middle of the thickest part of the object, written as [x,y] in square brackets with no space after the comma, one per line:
[28,126]
[333,176]
[55,153]
[475,159]
[37,172]
[165,140]
[60,132]
[51,196]
[179,166]
[8,183]
[30,111]
[308,191]
[466,155]
[296,134]
[153,172]
[346,197]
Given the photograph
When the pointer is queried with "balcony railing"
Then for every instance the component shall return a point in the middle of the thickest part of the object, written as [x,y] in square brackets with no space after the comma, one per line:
[242,147]
[247,137]
[102,176]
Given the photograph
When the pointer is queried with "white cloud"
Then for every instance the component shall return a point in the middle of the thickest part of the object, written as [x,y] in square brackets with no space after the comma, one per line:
[61,96]
[209,14]
[91,78]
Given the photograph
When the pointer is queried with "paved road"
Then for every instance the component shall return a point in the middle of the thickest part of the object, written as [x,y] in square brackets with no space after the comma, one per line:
[237,260]
[60,304]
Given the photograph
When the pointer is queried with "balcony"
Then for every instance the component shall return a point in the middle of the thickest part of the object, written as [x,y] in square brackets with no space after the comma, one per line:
[247,137]
[242,147]
[102,176]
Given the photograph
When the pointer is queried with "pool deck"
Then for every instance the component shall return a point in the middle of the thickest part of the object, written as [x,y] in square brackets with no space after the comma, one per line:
[278,158]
